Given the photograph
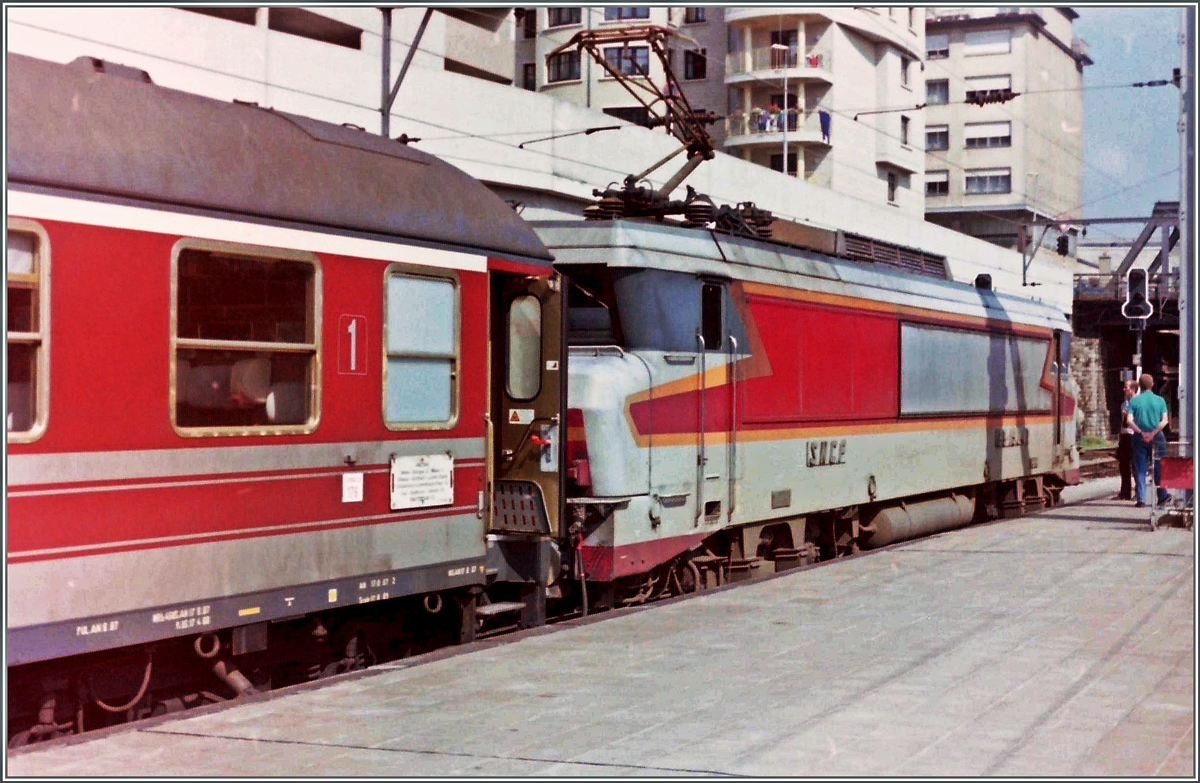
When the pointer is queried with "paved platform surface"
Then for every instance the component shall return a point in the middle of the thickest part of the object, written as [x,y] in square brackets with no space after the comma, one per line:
[1056,644]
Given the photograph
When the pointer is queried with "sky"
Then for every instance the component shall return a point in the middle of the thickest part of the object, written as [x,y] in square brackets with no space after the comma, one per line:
[1130,134]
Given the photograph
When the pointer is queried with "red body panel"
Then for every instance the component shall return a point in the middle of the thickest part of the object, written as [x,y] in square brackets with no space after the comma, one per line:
[826,364]
[109,391]
[605,563]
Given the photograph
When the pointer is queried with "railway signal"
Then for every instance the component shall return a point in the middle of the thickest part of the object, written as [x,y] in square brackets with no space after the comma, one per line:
[1137,304]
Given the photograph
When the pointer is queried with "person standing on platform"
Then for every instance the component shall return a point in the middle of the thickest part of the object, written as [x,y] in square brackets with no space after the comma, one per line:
[1148,418]
[1125,445]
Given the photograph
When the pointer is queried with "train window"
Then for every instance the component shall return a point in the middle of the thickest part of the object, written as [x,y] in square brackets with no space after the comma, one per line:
[524,348]
[245,340]
[28,335]
[592,317]
[422,351]
[661,311]
[710,316]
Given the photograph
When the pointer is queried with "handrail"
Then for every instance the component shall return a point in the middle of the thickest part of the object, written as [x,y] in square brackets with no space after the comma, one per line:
[732,423]
[701,458]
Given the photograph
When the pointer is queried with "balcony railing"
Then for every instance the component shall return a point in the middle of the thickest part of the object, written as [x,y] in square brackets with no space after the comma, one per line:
[764,121]
[742,124]
[768,59]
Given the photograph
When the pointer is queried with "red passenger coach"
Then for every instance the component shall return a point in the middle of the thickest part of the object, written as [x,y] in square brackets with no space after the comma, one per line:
[248,377]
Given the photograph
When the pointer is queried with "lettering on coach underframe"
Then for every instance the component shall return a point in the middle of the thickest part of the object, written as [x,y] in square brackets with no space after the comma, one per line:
[826,452]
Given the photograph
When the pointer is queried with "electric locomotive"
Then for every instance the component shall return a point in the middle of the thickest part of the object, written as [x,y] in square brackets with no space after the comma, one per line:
[739,405]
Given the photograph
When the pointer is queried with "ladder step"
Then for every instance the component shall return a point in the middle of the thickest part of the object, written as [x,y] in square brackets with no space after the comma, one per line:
[500,607]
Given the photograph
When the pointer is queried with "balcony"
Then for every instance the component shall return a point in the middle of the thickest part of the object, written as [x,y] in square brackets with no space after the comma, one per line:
[768,63]
[767,127]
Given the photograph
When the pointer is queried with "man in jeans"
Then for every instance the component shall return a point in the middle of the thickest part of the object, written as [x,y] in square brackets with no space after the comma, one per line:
[1148,418]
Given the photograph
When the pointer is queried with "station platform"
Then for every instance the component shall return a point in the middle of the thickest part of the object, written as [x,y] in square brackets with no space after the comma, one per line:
[1061,643]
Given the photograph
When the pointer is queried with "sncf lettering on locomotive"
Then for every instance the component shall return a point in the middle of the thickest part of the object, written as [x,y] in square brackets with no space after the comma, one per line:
[1007,437]
[826,452]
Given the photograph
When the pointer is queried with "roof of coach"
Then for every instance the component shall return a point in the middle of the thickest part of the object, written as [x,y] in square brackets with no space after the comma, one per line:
[649,245]
[72,128]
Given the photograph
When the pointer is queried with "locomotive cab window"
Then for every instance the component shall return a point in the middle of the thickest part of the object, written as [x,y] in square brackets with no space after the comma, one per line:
[28,333]
[245,340]
[421,343]
[710,316]
[524,347]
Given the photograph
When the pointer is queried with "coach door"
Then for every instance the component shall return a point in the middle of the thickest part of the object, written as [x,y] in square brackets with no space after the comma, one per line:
[528,391]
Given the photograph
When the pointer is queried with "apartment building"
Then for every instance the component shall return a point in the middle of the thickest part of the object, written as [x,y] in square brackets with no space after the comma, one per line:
[840,67]
[1003,121]
[696,57]
[791,84]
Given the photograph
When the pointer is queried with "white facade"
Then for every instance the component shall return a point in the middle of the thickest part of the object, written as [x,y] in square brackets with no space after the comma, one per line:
[697,54]
[837,63]
[990,167]
[473,123]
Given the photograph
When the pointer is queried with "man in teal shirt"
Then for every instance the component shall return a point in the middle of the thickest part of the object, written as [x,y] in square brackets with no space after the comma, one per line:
[1148,418]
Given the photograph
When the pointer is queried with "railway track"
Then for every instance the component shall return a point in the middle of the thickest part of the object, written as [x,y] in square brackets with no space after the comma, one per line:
[1098,463]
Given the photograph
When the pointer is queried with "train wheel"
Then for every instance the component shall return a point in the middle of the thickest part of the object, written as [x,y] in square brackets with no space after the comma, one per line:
[685,578]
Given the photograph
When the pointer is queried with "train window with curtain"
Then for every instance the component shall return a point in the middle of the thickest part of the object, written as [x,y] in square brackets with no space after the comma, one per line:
[28,331]
[524,347]
[245,340]
[421,340]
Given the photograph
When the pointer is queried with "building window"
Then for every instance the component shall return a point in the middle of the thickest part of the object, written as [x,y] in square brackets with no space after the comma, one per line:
[937,183]
[777,162]
[529,22]
[937,137]
[987,42]
[245,340]
[980,87]
[977,135]
[629,60]
[893,182]
[529,76]
[695,64]
[989,181]
[611,14]
[560,17]
[28,331]
[421,341]
[937,92]
[904,66]
[694,15]
[937,47]
[638,115]
[563,67]
[904,124]
[306,24]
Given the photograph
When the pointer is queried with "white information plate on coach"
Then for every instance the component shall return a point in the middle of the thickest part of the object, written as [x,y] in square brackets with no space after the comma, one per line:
[421,481]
